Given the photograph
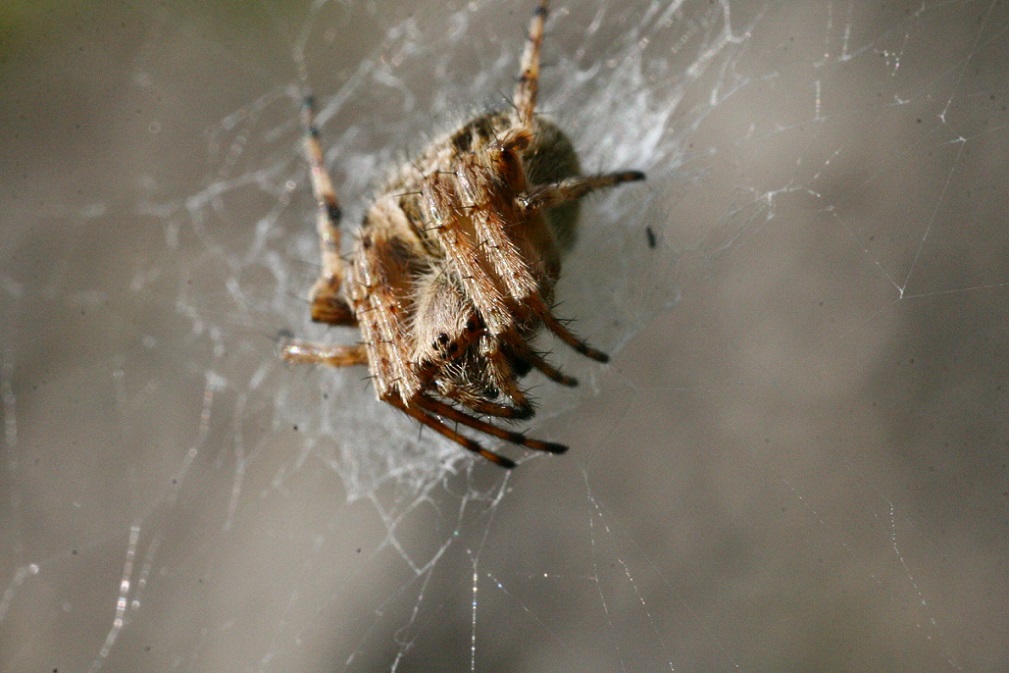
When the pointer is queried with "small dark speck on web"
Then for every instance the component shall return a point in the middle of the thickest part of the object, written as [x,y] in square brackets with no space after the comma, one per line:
[652,240]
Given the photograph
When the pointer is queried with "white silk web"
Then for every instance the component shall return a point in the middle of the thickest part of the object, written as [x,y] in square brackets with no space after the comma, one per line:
[795,462]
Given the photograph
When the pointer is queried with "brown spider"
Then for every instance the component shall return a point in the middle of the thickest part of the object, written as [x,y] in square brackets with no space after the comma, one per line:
[454,269]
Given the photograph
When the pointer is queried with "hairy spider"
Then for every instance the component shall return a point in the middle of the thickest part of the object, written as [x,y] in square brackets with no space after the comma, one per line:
[454,269]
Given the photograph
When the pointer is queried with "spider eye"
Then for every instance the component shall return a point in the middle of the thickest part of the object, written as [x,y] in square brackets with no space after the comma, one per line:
[444,345]
[472,324]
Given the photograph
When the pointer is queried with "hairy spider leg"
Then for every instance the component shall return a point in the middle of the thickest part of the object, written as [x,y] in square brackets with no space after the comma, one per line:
[380,287]
[448,411]
[304,352]
[461,254]
[526,91]
[529,70]
[526,353]
[445,431]
[327,303]
[446,208]
[510,266]
[542,197]
[471,400]
[508,263]
[450,381]
[500,370]
[464,261]
[495,224]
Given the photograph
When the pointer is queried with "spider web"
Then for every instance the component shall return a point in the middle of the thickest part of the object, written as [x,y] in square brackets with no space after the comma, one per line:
[797,460]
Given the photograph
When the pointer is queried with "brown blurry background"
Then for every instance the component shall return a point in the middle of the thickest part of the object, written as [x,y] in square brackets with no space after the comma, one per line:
[802,466]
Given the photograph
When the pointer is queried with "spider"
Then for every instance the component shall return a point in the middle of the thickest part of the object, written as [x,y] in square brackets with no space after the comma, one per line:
[454,268]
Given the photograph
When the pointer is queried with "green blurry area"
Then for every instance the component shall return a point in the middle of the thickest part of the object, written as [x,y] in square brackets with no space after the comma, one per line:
[49,27]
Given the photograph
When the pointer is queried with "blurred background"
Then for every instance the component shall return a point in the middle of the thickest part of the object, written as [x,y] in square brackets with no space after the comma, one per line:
[796,461]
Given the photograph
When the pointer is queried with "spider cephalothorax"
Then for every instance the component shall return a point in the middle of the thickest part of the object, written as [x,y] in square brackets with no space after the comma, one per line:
[454,269]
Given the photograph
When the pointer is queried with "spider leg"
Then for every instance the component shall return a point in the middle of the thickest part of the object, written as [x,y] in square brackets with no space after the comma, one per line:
[448,411]
[327,304]
[462,255]
[529,73]
[303,352]
[541,197]
[543,312]
[509,265]
[496,248]
[525,352]
[501,371]
[467,261]
[455,381]
[444,430]
[381,286]
[472,400]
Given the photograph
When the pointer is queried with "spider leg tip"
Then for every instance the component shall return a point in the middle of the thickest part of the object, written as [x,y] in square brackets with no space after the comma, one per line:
[499,460]
[524,412]
[555,448]
[548,447]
